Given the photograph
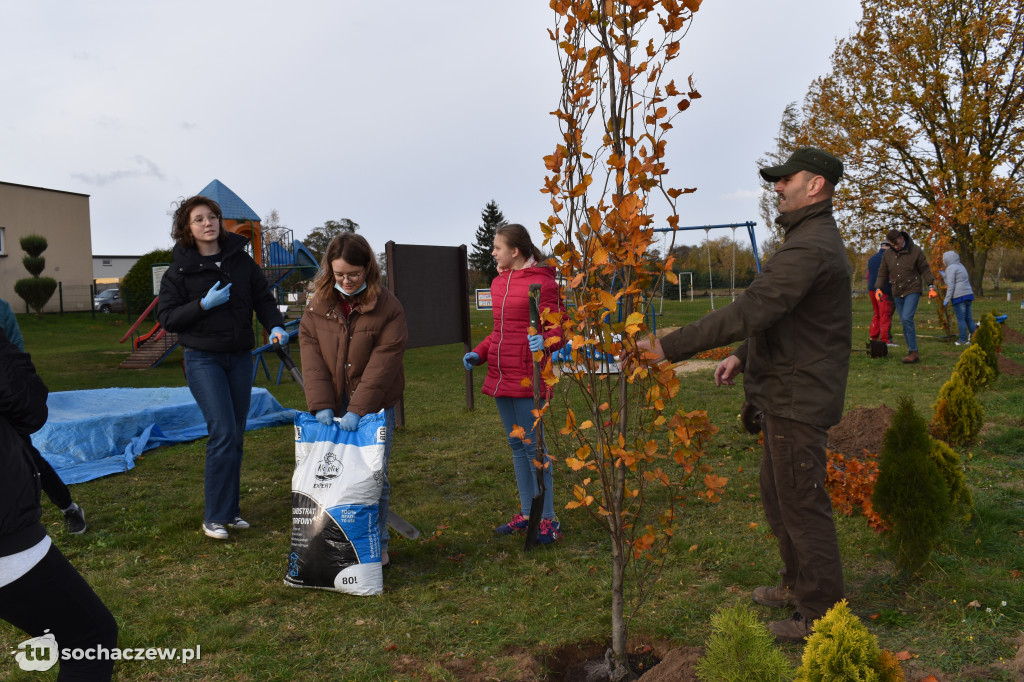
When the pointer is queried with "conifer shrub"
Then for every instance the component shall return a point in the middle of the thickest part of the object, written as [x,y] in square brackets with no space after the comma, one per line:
[910,494]
[958,415]
[841,648]
[35,290]
[988,336]
[961,502]
[741,649]
[973,368]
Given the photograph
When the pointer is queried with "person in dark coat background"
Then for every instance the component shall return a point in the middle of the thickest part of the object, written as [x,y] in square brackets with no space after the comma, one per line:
[40,591]
[881,306]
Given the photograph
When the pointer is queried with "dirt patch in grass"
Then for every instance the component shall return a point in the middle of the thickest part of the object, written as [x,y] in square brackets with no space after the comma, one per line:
[651,662]
[1009,367]
[1011,335]
[859,430]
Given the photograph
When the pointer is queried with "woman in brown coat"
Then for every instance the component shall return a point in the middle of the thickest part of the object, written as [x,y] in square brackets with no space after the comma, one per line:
[351,339]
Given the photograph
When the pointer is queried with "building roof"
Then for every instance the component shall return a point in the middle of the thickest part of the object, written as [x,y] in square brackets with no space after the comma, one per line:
[44,189]
[231,205]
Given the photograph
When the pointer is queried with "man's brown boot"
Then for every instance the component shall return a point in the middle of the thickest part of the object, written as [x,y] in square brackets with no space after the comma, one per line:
[796,628]
[776,596]
[911,358]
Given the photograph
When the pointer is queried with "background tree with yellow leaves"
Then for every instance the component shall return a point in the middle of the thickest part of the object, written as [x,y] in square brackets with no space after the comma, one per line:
[925,105]
[635,459]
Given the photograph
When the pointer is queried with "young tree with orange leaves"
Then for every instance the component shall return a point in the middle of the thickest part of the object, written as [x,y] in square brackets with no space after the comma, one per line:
[926,103]
[606,180]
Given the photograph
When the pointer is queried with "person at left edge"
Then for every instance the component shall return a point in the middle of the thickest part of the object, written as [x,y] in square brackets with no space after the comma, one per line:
[207,298]
[352,338]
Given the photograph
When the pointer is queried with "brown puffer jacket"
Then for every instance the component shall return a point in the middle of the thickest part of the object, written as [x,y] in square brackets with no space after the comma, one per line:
[905,268]
[359,358]
[796,317]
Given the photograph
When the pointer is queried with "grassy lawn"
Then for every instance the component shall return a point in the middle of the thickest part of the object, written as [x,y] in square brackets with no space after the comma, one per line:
[462,602]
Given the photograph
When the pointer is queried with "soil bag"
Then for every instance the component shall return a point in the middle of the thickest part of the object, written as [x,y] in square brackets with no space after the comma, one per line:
[336,485]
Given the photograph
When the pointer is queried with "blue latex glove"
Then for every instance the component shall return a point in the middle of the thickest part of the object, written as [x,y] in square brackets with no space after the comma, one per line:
[216,296]
[281,334]
[350,422]
[325,417]
[536,342]
[470,359]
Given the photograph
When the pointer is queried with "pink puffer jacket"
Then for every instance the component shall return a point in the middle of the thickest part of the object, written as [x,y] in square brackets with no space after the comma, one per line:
[505,350]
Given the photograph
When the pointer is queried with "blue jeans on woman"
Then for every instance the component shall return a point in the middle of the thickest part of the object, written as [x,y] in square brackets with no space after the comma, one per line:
[906,306]
[518,411]
[221,383]
[964,321]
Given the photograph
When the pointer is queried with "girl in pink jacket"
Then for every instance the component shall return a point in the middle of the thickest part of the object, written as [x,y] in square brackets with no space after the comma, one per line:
[508,352]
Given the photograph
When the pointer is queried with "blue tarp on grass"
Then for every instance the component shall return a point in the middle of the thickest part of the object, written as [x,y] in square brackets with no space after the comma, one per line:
[95,433]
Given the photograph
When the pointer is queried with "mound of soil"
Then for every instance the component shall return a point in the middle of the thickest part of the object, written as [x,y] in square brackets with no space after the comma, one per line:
[1009,367]
[1011,335]
[860,429]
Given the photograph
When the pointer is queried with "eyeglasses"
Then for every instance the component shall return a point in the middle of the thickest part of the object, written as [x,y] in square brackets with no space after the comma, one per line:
[199,220]
[348,276]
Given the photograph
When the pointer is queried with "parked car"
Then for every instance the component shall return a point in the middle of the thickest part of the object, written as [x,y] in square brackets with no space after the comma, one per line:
[109,301]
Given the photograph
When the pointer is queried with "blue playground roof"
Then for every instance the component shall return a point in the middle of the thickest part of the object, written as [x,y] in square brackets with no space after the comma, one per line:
[230,203]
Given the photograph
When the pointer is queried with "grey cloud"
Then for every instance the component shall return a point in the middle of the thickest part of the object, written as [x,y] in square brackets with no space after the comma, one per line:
[148,170]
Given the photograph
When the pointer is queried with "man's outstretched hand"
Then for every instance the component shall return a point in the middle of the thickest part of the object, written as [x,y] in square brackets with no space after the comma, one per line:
[727,370]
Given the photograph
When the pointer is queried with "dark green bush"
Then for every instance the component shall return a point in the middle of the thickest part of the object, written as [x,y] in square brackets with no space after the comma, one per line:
[910,494]
[33,244]
[36,291]
[137,285]
[34,264]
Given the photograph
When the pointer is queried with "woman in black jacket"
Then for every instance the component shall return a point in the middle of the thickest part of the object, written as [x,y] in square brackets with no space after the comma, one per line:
[40,591]
[207,297]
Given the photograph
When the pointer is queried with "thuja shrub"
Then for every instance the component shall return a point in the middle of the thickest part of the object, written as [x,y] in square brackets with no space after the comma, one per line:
[910,494]
[961,502]
[841,648]
[973,368]
[987,336]
[741,649]
[850,482]
[958,415]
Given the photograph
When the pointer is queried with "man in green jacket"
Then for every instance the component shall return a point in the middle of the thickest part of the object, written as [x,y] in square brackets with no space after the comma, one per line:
[906,266]
[795,321]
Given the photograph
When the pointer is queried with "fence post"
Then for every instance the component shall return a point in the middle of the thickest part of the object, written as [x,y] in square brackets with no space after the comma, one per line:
[92,299]
[60,298]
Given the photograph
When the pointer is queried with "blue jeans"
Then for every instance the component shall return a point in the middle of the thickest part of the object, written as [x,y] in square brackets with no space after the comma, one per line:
[906,306]
[515,411]
[964,320]
[222,385]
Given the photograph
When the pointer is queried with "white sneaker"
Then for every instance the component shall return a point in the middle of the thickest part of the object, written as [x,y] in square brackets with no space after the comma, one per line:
[217,531]
[893,345]
[239,523]
[962,343]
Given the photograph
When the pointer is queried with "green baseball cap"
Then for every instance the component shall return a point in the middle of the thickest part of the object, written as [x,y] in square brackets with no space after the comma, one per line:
[809,159]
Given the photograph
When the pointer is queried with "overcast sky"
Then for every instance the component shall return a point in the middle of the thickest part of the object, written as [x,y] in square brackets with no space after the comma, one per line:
[405,117]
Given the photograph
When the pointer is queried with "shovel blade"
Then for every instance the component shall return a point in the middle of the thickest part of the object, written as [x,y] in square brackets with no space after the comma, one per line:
[533,528]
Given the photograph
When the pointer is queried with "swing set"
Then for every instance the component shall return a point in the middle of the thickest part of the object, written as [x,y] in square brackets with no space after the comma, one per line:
[749,225]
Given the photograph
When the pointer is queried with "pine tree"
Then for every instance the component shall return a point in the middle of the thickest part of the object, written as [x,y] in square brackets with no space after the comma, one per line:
[480,258]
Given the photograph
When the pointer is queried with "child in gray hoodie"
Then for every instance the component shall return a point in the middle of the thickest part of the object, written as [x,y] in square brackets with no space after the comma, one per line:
[960,294]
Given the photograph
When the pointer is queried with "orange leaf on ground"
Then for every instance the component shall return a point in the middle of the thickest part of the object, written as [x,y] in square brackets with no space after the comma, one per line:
[904,656]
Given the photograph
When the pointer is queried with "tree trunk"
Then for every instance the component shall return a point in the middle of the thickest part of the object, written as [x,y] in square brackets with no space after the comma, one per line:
[975,262]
